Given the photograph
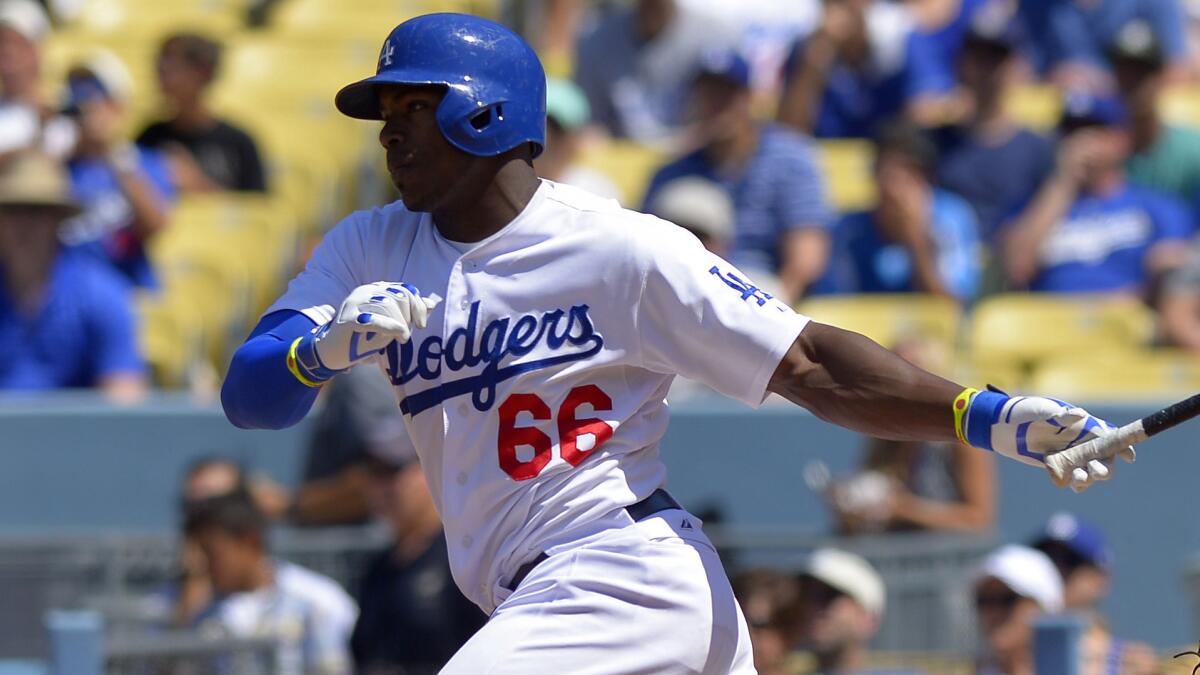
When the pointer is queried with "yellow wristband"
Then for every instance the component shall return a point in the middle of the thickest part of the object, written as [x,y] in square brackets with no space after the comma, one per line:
[294,367]
[960,412]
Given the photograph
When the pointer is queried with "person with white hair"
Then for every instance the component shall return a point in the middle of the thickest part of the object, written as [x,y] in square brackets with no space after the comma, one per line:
[1012,587]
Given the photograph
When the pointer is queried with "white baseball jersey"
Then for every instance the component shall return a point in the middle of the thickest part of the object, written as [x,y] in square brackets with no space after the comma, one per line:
[536,394]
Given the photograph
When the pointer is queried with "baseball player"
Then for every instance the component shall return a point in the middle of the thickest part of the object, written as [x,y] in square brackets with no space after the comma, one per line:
[531,331]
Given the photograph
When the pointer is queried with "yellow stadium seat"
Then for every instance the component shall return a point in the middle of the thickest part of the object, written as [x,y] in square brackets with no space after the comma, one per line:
[1008,375]
[152,19]
[1025,328]
[889,319]
[170,339]
[1181,105]
[848,173]
[1036,106]
[629,165]
[366,19]
[1119,375]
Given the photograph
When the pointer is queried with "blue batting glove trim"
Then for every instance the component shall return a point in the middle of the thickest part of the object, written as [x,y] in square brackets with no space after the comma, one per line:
[1023,443]
[309,363]
[983,412]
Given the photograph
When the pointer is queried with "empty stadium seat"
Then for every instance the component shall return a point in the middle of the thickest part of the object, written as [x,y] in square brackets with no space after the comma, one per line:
[847,167]
[1037,106]
[152,19]
[889,318]
[1118,375]
[629,165]
[1181,105]
[1026,328]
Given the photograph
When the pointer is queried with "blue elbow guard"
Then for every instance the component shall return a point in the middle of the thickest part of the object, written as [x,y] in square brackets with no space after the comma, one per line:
[259,391]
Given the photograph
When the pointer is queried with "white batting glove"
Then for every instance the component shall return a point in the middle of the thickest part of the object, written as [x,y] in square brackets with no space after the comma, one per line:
[1030,428]
[370,318]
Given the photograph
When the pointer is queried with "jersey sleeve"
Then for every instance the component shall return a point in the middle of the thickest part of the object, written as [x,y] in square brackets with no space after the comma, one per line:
[334,270]
[699,317]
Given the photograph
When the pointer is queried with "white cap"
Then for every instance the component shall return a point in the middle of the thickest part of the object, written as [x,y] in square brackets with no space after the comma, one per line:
[1027,572]
[850,574]
[26,17]
[109,70]
[698,203]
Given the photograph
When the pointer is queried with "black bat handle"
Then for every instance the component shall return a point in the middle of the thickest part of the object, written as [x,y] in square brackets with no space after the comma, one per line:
[1171,415]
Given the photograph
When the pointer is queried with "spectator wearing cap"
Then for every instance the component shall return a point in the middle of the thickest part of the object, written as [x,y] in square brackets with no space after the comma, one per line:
[206,153]
[125,189]
[918,238]
[413,618]
[567,117]
[1165,157]
[27,117]
[841,603]
[771,174]
[768,600]
[1082,555]
[635,66]
[255,595]
[66,320]
[988,159]
[1067,38]
[1012,587]
[864,65]
[1088,229]
[700,206]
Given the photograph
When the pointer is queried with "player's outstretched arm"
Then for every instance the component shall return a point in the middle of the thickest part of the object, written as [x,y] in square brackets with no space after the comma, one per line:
[274,376]
[845,378]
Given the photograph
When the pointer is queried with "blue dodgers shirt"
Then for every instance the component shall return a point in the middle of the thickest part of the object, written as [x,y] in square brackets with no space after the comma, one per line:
[862,261]
[103,229]
[780,189]
[1101,244]
[84,330]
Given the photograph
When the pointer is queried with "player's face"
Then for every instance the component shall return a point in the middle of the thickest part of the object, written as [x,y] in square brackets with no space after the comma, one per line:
[428,171]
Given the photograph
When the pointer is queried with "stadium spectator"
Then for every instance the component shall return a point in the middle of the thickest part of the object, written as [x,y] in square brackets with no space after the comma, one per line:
[865,65]
[28,118]
[205,152]
[636,64]
[1165,157]
[1067,37]
[928,486]
[125,189]
[567,116]
[1012,587]
[1088,229]
[699,206]
[769,601]
[1179,305]
[987,159]
[413,618]
[256,596]
[771,173]
[840,605]
[66,320]
[918,237]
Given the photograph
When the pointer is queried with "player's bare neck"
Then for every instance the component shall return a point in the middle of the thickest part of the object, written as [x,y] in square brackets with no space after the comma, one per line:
[498,203]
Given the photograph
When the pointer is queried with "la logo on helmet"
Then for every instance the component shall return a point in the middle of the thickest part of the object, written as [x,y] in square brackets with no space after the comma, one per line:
[385,54]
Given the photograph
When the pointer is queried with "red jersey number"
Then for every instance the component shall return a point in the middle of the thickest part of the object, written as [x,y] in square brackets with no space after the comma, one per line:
[578,437]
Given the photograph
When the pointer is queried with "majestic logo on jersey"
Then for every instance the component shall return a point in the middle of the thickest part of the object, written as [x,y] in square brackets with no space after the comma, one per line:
[558,330]
[748,290]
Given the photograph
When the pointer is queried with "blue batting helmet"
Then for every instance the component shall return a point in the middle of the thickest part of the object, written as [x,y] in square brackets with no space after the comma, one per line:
[495,86]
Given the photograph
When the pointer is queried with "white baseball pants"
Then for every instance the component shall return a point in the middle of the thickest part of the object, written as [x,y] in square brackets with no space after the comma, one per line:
[651,597]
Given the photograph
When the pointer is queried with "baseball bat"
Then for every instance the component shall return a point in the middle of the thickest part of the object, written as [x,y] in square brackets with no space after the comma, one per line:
[1131,434]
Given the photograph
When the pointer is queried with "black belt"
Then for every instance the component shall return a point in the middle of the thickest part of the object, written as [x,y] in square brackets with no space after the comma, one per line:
[658,500]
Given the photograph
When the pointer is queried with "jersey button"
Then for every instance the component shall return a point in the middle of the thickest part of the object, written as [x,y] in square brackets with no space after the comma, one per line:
[464,304]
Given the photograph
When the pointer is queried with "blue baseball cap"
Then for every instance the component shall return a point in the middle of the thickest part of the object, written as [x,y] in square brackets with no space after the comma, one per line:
[1084,108]
[1079,536]
[996,23]
[726,64]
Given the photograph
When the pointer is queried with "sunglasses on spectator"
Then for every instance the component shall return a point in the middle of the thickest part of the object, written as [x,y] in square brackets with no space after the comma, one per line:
[818,592]
[996,600]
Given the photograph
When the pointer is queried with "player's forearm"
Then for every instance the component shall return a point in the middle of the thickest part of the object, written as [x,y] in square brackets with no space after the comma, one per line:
[259,391]
[847,379]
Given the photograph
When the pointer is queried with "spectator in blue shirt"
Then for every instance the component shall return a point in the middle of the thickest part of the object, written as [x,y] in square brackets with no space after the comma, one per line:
[65,319]
[866,64]
[918,238]
[771,174]
[1068,37]
[989,160]
[124,189]
[1088,229]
